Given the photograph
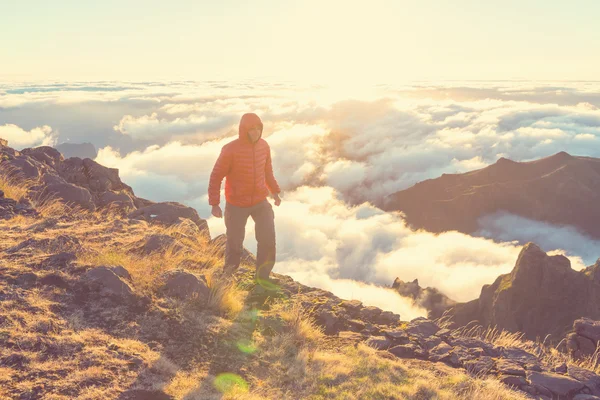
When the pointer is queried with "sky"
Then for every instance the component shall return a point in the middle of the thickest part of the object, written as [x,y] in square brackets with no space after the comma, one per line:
[312,41]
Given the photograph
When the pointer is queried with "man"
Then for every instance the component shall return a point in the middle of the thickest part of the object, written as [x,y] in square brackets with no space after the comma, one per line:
[246,164]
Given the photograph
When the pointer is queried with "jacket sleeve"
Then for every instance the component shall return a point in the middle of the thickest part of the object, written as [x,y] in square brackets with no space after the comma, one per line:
[270,178]
[220,170]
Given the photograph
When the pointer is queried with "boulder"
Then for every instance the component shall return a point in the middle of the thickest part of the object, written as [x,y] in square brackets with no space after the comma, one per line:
[590,379]
[482,365]
[185,285]
[158,243]
[422,327]
[379,342]
[170,213]
[588,328]
[559,385]
[109,282]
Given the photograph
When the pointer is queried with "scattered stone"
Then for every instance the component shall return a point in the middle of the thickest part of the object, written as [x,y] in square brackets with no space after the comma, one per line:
[509,367]
[387,318]
[588,328]
[406,351]
[379,342]
[519,355]
[170,213]
[585,376]
[422,327]
[512,380]
[557,384]
[483,365]
[185,285]
[109,282]
[440,352]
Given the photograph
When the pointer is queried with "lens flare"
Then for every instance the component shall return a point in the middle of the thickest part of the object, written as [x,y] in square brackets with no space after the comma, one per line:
[228,382]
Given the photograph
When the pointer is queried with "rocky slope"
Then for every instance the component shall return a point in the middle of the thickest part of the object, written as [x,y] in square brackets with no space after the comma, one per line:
[541,296]
[80,182]
[560,189]
[102,304]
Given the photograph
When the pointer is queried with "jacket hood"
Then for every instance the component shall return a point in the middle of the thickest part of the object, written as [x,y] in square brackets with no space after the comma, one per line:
[248,121]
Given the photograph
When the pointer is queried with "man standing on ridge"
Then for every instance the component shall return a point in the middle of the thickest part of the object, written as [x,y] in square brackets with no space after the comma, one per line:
[246,164]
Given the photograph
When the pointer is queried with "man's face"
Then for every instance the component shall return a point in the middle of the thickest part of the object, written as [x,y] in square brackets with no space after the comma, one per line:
[254,133]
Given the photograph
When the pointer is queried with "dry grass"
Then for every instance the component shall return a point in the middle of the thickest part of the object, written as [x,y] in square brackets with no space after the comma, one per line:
[86,350]
[12,184]
[225,297]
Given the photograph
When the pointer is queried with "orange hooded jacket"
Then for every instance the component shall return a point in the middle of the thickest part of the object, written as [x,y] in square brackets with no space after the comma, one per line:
[246,166]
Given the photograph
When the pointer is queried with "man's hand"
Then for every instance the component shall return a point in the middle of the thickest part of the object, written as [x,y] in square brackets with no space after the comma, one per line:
[216,211]
[277,199]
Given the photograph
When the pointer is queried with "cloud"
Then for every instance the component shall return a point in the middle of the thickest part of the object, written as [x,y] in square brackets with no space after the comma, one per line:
[582,249]
[321,239]
[19,138]
[337,156]
[151,127]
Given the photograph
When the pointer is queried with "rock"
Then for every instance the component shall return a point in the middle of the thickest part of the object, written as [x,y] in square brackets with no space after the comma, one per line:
[379,342]
[170,213]
[68,193]
[533,367]
[329,321]
[27,279]
[585,376]
[369,313]
[3,142]
[588,328]
[519,355]
[159,243]
[109,282]
[355,325]
[422,327]
[469,343]
[509,367]
[42,226]
[440,352]
[558,384]
[119,199]
[397,336]
[121,272]
[352,306]
[60,260]
[483,365]
[54,279]
[511,380]
[184,285]
[444,333]
[560,369]
[406,351]
[583,396]
[44,154]
[430,342]
[387,318]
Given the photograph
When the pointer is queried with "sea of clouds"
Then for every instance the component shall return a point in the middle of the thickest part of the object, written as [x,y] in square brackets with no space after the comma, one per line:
[337,153]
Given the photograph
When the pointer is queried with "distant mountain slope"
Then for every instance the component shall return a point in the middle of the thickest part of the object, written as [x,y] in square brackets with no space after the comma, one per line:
[541,296]
[560,189]
[81,150]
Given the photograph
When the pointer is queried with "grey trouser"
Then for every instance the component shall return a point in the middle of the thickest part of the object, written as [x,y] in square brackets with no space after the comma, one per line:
[235,224]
